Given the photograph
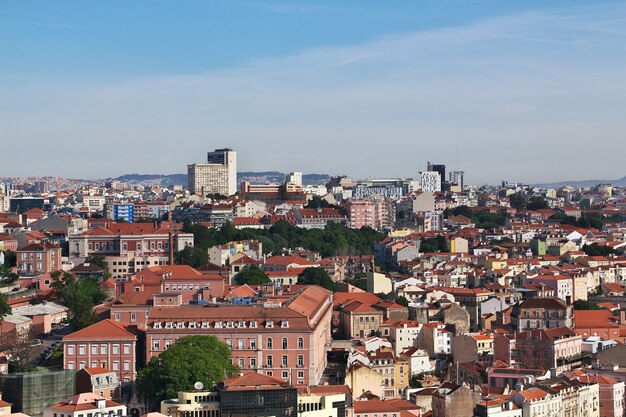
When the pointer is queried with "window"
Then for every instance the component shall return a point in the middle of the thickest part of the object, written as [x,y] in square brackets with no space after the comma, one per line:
[116,365]
[300,361]
[103,349]
[156,344]
[94,349]
[269,361]
[70,350]
[81,365]
[269,343]
[253,324]
[229,342]
[253,344]
[115,349]
[252,363]
[285,360]
[269,324]
[70,365]
[117,316]
[133,317]
[127,365]
[241,362]
[300,374]
[82,349]
[127,349]
[285,375]
[240,344]
[285,344]
[300,343]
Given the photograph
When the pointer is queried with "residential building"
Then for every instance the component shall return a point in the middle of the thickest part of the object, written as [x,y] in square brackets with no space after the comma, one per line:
[84,404]
[430,181]
[286,340]
[542,313]
[38,259]
[98,381]
[106,344]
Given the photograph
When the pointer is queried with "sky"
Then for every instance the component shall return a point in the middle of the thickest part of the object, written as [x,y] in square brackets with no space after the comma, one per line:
[529,91]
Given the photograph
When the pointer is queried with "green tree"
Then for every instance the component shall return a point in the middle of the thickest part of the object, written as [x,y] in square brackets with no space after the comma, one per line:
[80,297]
[252,275]
[316,276]
[10,258]
[101,262]
[597,250]
[192,256]
[5,308]
[359,280]
[586,305]
[191,359]
[518,201]
[402,301]
[537,203]
[434,244]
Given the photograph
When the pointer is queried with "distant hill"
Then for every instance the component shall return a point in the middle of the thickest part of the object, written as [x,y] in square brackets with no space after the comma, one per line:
[172,179]
[585,183]
[266,177]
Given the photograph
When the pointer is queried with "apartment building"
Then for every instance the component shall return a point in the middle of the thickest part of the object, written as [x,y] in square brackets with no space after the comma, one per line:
[106,344]
[286,339]
[38,259]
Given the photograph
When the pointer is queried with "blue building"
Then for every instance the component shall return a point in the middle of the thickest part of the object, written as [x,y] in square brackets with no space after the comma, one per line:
[124,211]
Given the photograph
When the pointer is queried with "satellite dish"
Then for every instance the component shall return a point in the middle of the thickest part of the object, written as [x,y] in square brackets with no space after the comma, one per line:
[198,385]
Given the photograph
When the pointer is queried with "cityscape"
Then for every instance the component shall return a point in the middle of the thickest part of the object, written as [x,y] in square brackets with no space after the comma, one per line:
[312,209]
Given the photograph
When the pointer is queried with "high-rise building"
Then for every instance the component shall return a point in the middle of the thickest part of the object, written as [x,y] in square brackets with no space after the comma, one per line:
[456,178]
[440,168]
[295,178]
[217,176]
[431,181]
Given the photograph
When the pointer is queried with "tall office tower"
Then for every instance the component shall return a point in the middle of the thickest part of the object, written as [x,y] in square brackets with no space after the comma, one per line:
[456,177]
[218,176]
[295,178]
[431,181]
[440,168]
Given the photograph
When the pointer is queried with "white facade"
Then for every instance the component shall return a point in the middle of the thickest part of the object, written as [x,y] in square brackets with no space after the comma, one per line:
[431,181]
[217,176]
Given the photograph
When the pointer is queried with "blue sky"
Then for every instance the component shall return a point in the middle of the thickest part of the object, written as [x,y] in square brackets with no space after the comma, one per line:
[531,91]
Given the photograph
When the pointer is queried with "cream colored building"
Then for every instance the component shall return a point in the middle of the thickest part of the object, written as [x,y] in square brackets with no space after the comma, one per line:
[192,403]
[379,283]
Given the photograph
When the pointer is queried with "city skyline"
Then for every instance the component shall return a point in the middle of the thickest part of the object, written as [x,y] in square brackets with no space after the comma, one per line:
[512,88]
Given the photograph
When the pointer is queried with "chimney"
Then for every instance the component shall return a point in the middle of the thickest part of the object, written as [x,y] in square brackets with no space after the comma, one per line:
[171,241]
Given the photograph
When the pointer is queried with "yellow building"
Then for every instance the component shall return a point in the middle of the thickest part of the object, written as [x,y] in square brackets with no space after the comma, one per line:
[192,404]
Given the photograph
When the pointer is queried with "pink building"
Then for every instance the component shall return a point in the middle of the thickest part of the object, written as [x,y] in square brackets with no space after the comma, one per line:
[361,213]
[285,339]
[106,344]
[611,393]
[191,283]
[38,258]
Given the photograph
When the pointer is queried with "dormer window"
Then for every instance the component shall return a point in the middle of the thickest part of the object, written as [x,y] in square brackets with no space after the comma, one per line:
[253,324]
[241,324]
[156,325]
[218,324]
[269,324]
[284,324]
[192,324]
[205,324]
[181,324]
[230,324]
[168,325]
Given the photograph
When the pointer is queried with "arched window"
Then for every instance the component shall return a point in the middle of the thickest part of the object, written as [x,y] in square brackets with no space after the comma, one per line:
[284,343]
[300,343]
[269,343]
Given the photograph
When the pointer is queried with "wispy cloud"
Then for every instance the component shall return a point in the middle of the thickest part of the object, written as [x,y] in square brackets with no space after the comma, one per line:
[523,97]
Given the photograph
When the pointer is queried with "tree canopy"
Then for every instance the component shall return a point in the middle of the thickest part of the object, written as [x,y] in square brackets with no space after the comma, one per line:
[191,359]
[5,308]
[335,239]
[80,297]
[192,256]
[316,276]
[434,244]
[586,305]
[252,275]
[598,250]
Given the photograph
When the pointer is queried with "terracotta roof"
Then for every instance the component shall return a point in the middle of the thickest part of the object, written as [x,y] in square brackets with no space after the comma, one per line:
[251,380]
[102,330]
[287,260]
[38,247]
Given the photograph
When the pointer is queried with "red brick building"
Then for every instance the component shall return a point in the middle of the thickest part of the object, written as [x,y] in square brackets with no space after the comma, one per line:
[106,344]
[38,258]
[285,338]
